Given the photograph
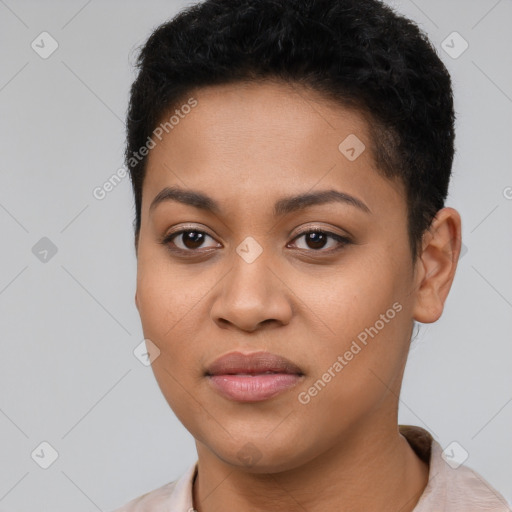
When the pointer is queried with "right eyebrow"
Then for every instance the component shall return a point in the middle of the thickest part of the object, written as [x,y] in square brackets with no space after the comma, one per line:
[189,197]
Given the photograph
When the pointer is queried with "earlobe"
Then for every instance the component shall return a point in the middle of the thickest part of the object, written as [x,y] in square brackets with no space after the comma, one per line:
[436,265]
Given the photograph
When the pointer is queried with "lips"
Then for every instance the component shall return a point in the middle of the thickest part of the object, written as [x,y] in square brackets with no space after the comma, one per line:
[252,364]
[252,377]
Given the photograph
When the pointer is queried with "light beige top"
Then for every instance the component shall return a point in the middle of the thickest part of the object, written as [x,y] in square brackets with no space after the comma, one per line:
[451,487]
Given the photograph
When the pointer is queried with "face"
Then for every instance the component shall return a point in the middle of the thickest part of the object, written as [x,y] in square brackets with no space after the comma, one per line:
[325,282]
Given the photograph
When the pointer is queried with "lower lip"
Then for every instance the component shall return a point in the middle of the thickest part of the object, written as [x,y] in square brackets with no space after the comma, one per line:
[247,388]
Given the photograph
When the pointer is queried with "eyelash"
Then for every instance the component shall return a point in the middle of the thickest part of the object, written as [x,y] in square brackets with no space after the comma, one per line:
[166,241]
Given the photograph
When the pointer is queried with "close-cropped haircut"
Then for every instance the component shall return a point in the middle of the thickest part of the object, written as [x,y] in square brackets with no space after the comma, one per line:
[359,53]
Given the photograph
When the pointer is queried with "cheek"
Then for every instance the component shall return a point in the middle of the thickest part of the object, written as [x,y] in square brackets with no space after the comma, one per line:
[365,340]
[166,296]
[171,303]
[357,300]
[166,315]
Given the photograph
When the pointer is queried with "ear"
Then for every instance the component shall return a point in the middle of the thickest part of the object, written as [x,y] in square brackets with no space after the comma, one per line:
[435,267]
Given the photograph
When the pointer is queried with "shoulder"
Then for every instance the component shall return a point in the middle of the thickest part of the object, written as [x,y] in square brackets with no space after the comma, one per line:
[175,496]
[465,489]
[451,487]
[153,501]
[458,488]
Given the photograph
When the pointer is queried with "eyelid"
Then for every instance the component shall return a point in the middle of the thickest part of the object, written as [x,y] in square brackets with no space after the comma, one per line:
[322,229]
[186,227]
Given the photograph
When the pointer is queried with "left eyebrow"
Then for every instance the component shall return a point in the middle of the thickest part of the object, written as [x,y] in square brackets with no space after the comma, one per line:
[293,203]
[282,207]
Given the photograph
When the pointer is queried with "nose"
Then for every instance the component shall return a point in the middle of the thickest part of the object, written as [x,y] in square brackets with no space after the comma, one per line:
[252,295]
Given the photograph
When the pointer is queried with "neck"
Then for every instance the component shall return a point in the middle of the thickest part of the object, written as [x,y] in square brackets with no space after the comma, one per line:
[369,469]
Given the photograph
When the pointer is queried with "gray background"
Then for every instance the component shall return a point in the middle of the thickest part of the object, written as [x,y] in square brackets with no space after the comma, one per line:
[69,325]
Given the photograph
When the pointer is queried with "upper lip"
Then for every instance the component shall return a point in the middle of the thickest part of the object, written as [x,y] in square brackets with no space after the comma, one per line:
[255,362]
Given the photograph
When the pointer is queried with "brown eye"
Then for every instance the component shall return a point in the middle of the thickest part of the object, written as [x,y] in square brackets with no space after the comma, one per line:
[188,239]
[317,239]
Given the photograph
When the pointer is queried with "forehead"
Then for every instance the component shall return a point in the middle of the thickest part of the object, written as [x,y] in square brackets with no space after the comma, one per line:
[262,139]
[245,114]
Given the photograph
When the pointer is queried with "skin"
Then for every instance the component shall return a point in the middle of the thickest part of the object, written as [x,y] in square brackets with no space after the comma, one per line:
[246,146]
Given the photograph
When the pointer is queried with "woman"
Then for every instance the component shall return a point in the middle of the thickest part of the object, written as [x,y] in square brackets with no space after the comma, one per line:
[290,161]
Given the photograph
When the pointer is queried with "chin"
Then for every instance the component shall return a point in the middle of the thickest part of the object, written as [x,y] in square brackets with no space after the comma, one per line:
[261,457]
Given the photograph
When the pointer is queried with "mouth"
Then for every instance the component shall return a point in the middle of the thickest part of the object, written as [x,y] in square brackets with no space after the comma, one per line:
[252,377]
